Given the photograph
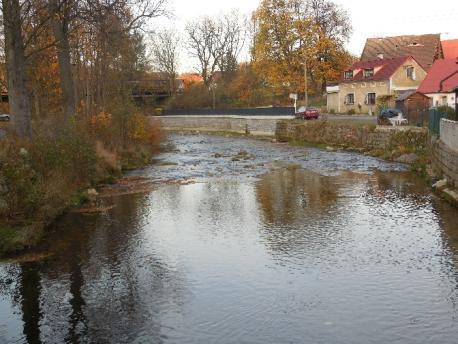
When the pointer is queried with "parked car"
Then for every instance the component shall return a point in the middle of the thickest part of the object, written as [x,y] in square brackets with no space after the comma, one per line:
[391,117]
[4,117]
[307,113]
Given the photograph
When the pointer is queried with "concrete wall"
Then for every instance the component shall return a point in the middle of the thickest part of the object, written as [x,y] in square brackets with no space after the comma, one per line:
[449,134]
[445,151]
[333,102]
[261,126]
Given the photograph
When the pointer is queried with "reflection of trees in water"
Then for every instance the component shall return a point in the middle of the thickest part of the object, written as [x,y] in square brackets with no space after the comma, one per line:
[102,285]
[301,211]
[292,195]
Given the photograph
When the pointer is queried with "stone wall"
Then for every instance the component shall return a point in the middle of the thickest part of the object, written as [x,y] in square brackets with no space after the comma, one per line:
[353,135]
[256,126]
[449,134]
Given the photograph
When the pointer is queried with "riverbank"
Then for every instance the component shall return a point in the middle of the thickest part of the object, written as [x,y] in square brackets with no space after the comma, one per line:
[59,170]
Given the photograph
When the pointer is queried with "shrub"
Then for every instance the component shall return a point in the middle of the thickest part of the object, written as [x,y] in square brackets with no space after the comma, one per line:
[448,111]
[332,112]
[351,112]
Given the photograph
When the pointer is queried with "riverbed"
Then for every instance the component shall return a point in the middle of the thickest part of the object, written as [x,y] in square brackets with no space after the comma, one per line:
[245,241]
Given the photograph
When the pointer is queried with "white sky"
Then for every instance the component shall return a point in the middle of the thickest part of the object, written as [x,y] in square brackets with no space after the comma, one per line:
[369,18]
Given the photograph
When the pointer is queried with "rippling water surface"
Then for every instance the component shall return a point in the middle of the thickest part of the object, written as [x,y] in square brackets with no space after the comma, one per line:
[277,245]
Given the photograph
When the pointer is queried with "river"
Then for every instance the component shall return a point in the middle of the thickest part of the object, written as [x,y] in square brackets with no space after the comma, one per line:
[245,241]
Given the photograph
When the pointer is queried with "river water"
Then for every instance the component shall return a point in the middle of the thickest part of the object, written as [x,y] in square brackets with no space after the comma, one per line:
[245,241]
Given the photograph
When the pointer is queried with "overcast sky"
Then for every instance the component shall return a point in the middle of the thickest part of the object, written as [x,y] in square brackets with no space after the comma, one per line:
[369,18]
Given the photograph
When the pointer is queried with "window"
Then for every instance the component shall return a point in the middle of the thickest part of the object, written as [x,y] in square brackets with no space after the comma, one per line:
[411,72]
[350,99]
[371,97]
[369,73]
[348,74]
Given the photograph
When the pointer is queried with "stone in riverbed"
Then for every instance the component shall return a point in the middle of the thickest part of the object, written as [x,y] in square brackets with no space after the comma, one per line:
[92,195]
[440,185]
[407,158]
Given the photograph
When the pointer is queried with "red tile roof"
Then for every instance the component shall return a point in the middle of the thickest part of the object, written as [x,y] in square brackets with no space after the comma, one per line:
[424,48]
[387,68]
[440,70]
[450,48]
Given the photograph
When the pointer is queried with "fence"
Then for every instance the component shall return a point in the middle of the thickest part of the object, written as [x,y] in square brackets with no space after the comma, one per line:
[268,111]
[435,118]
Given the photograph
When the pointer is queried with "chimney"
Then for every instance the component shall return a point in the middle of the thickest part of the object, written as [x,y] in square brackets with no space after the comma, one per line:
[380,56]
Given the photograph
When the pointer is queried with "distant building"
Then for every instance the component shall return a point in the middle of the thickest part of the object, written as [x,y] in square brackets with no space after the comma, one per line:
[425,49]
[441,82]
[365,81]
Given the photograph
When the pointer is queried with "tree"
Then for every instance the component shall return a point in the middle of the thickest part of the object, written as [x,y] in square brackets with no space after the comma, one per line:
[216,43]
[19,97]
[289,32]
[62,12]
[165,54]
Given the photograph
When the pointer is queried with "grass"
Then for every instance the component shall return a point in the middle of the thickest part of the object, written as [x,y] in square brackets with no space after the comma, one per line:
[15,239]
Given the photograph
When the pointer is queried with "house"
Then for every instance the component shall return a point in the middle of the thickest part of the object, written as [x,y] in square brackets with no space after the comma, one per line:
[441,82]
[450,49]
[425,49]
[365,81]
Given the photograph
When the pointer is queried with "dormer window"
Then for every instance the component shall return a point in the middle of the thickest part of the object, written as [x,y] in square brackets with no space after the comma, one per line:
[348,74]
[369,73]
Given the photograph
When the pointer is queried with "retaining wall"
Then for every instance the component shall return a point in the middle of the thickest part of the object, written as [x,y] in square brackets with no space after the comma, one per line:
[366,137]
[449,133]
[445,151]
[256,126]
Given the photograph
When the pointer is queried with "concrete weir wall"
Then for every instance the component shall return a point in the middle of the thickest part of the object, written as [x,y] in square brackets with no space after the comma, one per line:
[261,125]
[445,151]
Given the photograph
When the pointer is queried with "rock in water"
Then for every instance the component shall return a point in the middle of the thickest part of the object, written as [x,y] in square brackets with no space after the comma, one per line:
[407,158]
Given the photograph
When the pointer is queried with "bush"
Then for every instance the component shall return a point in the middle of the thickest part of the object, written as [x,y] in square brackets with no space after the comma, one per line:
[332,112]
[351,112]
[448,111]
[38,179]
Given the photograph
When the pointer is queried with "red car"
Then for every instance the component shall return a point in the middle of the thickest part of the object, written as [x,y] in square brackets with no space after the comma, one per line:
[308,113]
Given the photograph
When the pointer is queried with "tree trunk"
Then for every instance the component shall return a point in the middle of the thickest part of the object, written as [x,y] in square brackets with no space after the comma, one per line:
[19,96]
[60,30]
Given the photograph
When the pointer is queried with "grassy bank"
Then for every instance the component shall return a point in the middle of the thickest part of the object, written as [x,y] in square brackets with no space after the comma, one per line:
[42,178]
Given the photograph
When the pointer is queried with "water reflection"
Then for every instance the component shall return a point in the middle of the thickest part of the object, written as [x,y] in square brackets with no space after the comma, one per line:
[351,258]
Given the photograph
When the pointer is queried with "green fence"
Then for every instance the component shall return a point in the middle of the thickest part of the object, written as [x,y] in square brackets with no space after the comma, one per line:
[435,118]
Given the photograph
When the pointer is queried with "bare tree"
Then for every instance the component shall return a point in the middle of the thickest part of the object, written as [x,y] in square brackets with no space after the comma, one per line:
[165,54]
[204,46]
[216,43]
[233,30]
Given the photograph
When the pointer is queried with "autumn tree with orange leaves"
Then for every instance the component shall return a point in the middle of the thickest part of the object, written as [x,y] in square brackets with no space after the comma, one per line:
[289,32]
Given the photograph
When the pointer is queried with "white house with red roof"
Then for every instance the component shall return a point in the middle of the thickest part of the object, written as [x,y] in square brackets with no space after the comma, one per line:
[441,82]
[365,81]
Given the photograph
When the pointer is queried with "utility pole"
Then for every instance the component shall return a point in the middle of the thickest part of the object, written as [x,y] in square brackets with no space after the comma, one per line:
[306,84]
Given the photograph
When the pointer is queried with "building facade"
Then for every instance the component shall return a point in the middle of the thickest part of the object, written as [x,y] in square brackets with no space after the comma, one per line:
[366,81]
